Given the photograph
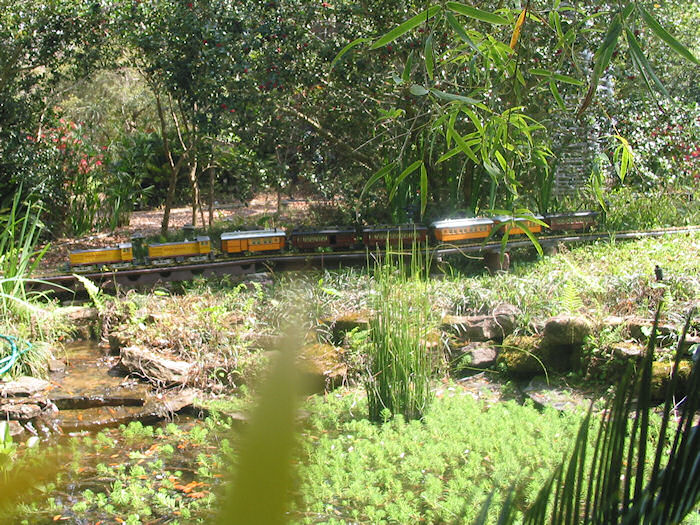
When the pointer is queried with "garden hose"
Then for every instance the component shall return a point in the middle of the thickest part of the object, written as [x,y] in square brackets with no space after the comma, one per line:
[8,361]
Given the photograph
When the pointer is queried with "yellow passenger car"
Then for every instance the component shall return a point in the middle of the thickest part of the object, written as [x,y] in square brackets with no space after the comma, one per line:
[511,224]
[252,241]
[177,250]
[120,254]
[453,230]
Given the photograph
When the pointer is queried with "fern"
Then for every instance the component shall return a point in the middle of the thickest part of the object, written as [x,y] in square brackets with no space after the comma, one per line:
[570,299]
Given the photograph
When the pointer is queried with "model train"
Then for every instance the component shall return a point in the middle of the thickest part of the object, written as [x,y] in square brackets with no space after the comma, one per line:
[238,243]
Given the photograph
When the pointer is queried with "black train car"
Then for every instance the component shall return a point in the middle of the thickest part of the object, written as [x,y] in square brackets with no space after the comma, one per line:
[336,238]
[572,221]
[403,235]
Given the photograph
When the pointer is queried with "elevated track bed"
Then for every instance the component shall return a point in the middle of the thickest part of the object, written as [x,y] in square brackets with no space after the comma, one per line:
[148,276]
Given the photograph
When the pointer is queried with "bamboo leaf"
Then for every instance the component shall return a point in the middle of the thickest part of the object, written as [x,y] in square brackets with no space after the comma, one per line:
[603,56]
[423,189]
[428,54]
[461,33]
[380,174]
[518,27]
[567,79]
[477,14]
[406,75]
[642,63]
[452,97]
[666,36]
[347,48]
[407,26]
[449,154]
[557,96]
[418,90]
[475,119]
[464,146]
[540,72]
[405,173]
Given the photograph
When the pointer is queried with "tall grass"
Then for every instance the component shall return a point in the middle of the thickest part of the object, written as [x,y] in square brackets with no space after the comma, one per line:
[19,234]
[399,362]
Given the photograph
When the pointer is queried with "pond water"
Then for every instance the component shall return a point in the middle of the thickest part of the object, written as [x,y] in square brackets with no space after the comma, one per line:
[110,456]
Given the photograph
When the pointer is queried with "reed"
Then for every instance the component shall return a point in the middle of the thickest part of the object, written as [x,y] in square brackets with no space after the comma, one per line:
[19,234]
[399,362]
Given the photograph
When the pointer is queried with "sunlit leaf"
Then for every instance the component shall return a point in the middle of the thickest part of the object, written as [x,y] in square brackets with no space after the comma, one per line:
[407,26]
[477,14]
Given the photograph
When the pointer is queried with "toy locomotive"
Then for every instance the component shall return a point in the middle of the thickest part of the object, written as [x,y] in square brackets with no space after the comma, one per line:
[453,231]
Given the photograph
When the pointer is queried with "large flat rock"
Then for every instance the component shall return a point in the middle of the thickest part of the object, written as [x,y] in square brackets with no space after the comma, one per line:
[23,386]
[155,367]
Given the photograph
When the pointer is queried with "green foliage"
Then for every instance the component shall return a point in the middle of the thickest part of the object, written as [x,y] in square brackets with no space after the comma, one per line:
[630,210]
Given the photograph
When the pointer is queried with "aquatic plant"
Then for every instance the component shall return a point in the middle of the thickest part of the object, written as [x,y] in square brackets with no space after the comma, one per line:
[399,365]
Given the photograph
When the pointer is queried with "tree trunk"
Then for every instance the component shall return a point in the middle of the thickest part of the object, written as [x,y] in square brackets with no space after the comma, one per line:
[212,177]
[195,190]
[174,168]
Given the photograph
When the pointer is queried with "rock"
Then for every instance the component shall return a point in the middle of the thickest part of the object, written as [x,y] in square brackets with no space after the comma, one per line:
[155,367]
[323,366]
[80,314]
[497,262]
[56,365]
[117,342]
[172,403]
[523,356]
[343,324]
[22,409]
[506,316]
[16,429]
[640,329]
[661,376]
[627,350]
[549,395]
[478,327]
[566,330]
[23,386]
[479,355]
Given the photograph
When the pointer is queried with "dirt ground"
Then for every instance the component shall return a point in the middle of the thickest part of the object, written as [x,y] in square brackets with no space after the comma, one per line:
[148,223]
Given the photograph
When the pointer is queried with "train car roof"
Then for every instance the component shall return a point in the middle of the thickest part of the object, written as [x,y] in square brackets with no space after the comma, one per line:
[584,213]
[402,227]
[251,234]
[506,218]
[460,223]
[197,239]
[330,229]
[121,246]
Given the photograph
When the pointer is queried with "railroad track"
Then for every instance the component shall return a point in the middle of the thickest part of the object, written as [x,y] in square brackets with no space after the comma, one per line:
[240,266]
